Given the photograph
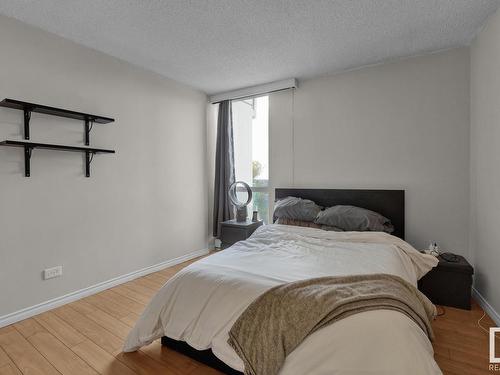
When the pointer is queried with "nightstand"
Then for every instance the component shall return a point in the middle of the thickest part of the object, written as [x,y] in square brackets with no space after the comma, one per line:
[449,283]
[233,231]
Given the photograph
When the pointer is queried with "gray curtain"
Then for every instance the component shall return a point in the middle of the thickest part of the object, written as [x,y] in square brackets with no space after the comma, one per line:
[224,166]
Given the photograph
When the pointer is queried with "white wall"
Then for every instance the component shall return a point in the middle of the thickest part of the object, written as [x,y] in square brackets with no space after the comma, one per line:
[485,161]
[401,125]
[142,206]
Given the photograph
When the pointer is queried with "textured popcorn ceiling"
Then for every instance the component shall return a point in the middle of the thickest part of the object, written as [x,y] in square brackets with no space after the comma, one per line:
[219,45]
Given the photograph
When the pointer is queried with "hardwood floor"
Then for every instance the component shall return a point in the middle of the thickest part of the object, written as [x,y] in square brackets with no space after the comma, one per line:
[86,336]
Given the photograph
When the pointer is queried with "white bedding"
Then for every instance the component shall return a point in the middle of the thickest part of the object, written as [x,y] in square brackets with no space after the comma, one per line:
[200,304]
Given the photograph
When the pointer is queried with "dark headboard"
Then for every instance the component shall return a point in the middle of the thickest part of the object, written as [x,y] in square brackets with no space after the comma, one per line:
[389,203]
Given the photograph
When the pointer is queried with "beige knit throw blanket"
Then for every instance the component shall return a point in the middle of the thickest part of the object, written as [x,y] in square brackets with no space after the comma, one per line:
[281,318]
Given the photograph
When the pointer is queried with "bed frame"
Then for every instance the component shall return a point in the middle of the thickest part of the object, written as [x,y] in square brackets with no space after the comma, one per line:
[389,203]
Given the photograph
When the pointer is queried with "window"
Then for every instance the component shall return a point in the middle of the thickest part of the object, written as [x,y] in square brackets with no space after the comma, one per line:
[251,150]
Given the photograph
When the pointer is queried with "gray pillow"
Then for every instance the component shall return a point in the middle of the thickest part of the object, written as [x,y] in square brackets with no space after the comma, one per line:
[351,218]
[296,208]
[297,223]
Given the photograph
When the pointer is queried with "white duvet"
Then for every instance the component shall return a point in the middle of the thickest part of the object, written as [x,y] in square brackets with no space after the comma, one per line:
[200,303]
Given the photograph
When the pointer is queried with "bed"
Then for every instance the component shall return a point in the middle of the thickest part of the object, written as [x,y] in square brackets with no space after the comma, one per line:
[195,310]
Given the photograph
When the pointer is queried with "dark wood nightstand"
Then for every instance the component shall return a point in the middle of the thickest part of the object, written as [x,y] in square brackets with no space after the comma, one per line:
[233,231]
[449,283]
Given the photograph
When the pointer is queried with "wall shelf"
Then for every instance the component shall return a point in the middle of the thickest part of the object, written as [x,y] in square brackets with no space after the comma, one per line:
[28,108]
[32,107]
[51,146]
[30,146]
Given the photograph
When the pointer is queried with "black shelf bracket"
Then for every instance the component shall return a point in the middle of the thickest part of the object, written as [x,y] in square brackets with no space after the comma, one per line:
[27,160]
[89,124]
[89,156]
[27,118]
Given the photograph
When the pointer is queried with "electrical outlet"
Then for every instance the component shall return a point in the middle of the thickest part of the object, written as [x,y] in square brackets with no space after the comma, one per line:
[50,273]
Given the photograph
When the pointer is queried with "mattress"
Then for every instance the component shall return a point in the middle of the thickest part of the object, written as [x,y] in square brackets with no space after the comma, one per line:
[201,302]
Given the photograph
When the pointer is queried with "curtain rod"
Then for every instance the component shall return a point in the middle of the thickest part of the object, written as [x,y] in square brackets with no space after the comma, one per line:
[253,91]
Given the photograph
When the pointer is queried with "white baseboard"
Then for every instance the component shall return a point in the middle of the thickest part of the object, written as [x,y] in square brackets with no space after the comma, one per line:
[76,295]
[486,306]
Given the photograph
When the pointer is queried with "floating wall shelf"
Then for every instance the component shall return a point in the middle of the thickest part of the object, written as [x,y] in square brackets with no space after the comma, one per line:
[29,146]
[28,108]
[32,107]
